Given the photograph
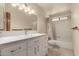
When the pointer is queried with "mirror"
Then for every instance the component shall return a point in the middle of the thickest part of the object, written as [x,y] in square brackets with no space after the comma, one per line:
[1,16]
[18,20]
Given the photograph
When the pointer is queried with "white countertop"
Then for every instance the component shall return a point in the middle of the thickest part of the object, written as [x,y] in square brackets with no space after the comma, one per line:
[9,39]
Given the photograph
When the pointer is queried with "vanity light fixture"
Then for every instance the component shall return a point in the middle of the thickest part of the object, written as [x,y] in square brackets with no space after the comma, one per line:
[64,18]
[33,11]
[24,7]
[55,19]
[26,10]
[14,4]
[30,12]
[21,6]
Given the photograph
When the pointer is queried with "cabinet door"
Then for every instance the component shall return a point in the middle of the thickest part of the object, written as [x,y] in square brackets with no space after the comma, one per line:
[30,47]
[37,46]
[33,47]
[43,45]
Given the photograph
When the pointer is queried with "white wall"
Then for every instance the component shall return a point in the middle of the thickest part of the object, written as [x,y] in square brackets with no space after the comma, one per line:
[75,22]
[63,30]
[1,15]
[41,19]
[42,22]
[20,19]
[60,9]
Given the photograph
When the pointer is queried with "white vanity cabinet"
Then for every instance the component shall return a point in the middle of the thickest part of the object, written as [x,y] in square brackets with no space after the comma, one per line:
[14,49]
[35,46]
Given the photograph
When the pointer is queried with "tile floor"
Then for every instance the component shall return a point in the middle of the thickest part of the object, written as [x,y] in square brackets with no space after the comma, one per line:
[59,52]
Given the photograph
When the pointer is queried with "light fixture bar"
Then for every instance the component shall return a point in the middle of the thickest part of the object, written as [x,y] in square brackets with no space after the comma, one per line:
[24,7]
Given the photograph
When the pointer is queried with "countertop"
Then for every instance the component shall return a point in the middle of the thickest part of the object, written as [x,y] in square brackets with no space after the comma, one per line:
[9,39]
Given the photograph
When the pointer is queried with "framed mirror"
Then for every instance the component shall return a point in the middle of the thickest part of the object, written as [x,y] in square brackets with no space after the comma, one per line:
[18,20]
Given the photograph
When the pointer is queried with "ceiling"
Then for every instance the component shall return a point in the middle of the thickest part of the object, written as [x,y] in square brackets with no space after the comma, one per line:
[52,7]
[47,7]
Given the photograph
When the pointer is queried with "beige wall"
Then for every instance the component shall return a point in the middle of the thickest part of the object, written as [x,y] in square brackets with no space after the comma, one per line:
[1,15]
[75,22]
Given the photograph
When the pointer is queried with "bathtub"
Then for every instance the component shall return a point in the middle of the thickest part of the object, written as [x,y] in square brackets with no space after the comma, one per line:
[62,44]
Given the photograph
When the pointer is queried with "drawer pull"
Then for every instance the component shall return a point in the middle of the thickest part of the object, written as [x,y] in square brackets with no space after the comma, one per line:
[12,51]
[15,50]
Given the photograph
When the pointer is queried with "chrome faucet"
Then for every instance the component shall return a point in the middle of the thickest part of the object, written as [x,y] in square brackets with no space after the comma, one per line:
[25,31]
[0,32]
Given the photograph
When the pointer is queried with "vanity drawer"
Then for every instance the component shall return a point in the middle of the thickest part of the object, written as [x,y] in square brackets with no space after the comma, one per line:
[13,49]
[21,53]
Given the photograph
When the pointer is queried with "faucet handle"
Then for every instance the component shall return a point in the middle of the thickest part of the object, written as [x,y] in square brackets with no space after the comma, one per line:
[0,32]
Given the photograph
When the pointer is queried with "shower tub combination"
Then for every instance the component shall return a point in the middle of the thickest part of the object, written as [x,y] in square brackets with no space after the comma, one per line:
[61,44]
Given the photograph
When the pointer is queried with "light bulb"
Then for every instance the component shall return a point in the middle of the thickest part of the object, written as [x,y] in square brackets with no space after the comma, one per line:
[23,6]
[28,8]
[30,12]
[14,4]
[20,8]
[25,10]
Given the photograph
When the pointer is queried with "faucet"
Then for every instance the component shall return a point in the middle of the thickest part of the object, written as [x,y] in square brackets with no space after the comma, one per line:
[0,32]
[25,31]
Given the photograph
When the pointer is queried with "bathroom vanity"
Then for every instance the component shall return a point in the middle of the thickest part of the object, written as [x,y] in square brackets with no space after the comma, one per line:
[24,45]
